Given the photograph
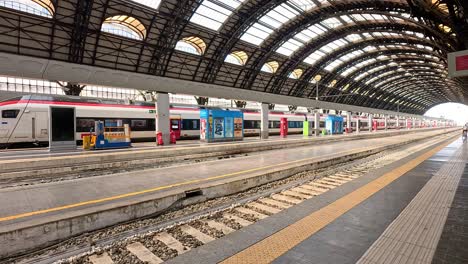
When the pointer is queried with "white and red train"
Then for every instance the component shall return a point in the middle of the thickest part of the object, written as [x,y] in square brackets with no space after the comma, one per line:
[25,119]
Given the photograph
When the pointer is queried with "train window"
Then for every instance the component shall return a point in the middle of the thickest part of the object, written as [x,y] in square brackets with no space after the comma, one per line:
[174,124]
[10,113]
[139,125]
[190,124]
[84,124]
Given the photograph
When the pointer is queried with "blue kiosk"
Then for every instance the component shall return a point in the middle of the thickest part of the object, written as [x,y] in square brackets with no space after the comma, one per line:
[334,124]
[220,125]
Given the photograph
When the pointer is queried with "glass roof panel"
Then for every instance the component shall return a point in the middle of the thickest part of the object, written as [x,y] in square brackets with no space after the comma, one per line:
[43,8]
[150,3]
[212,14]
[281,15]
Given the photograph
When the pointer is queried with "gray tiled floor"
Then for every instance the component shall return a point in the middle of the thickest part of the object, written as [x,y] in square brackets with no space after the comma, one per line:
[413,236]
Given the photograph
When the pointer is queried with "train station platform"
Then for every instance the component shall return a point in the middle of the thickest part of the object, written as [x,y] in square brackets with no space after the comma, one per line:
[411,211]
[25,163]
[45,213]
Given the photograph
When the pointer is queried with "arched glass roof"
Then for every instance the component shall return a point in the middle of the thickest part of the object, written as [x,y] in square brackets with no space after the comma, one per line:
[277,17]
[193,45]
[124,26]
[43,8]
[212,13]
[349,39]
[359,44]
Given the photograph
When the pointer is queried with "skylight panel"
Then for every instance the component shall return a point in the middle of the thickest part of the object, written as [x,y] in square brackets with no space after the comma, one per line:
[212,14]
[353,37]
[276,18]
[256,34]
[331,23]
[348,71]
[332,66]
[289,47]
[304,5]
[317,55]
[149,3]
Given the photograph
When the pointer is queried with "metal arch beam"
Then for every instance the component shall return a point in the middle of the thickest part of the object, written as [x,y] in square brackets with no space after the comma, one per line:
[346,100]
[403,53]
[169,34]
[312,71]
[232,30]
[403,94]
[402,89]
[339,33]
[366,68]
[80,29]
[48,69]
[350,77]
[403,61]
[436,85]
[379,83]
[394,88]
[288,30]
[374,89]
[399,74]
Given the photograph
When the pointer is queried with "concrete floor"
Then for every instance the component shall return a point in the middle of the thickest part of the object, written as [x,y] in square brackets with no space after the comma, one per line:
[346,239]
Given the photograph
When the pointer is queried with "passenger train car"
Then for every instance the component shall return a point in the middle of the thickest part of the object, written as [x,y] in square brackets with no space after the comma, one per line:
[25,119]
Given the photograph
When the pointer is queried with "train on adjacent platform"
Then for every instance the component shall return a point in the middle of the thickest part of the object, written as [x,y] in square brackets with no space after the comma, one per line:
[25,119]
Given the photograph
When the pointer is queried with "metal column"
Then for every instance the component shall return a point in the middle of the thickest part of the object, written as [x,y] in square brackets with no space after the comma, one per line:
[369,122]
[264,133]
[349,116]
[397,126]
[317,124]
[163,116]
[385,122]
[358,121]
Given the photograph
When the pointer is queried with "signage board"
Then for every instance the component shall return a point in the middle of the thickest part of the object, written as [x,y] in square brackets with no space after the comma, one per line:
[458,64]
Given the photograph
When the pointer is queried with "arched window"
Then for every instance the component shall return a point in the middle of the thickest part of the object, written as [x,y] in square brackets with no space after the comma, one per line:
[296,74]
[124,26]
[237,57]
[43,8]
[270,67]
[194,45]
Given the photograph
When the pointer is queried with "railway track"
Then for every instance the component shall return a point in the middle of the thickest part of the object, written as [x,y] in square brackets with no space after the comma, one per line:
[152,241]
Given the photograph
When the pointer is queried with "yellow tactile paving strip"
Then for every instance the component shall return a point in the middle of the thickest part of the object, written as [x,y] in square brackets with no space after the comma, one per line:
[281,242]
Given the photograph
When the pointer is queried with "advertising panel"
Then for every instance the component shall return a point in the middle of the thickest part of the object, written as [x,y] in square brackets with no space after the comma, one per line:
[238,127]
[219,127]
[203,129]
[229,127]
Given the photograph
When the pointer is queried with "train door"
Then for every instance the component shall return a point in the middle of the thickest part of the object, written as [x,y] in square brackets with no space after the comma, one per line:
[41,126]
[176,126]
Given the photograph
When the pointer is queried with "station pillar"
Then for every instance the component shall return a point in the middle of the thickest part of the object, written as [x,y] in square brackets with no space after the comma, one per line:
[369,122]
[348,121]
[414,123]
[264,133]
[397,125]
[385,122]
[163,116]
[317,123]
[358,123]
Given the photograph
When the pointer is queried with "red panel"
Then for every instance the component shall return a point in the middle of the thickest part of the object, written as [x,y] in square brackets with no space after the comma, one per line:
[462,63]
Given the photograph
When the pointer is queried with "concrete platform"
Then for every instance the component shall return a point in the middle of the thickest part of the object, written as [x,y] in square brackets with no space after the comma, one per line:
[395,214]
[42,214]
[23,164]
